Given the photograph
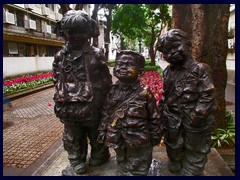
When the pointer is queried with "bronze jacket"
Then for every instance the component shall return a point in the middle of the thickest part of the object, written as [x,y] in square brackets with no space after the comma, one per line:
[82,81]
[189,97]
[140,124]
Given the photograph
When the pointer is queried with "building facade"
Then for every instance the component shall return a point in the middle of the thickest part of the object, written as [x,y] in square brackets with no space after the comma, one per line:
[29,41]
[231,46]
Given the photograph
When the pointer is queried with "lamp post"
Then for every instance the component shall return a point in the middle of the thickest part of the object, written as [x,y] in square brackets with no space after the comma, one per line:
[140,43]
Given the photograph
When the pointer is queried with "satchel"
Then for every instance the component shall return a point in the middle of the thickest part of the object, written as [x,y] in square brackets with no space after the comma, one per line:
[74,92]
[74,100]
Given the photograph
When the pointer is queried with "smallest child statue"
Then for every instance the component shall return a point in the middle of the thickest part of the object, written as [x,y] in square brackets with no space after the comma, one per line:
[130,120]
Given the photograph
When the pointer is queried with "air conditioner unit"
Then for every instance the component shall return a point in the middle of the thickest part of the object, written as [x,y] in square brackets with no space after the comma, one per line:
[48,29]
[45,11]
[30,6]
[8,18]
[30,24]
[58,16]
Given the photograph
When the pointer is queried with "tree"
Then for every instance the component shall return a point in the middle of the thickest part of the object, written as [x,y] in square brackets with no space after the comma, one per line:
[65,8]
[108,9]
[207,27]
[147,20]
[95,17]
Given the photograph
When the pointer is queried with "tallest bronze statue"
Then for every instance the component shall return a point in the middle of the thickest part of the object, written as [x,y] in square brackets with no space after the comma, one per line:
[82,81]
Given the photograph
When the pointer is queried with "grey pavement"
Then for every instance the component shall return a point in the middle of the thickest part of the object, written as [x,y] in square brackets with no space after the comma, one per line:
[32,144]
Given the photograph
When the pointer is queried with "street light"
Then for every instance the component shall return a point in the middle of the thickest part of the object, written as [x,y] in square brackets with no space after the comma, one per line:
[140,42]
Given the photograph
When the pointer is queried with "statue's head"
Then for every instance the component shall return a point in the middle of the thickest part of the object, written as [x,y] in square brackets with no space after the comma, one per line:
[175,46]
[77,25]
[129,66]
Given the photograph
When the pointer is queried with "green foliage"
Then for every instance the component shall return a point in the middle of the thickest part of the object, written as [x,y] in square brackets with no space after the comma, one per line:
[154,68]
[25,81]
[128,20]
[131,20]
[111,63]
[222,138]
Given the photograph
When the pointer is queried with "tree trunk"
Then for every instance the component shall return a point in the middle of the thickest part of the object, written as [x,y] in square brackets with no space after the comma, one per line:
[151,47]
[94,16]
[207,28]
[108,30]
[79,6]
[65,8]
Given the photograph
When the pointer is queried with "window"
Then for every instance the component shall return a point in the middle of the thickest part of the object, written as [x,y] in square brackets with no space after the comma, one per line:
[5,49]
[42,51]
[20,18]
[38,23]
[30,50]
[50,6]
[13,48]
[52,50]
[22,49]
[53,26]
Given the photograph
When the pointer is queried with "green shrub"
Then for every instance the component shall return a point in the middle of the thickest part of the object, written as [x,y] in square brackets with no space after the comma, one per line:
[153,68]
[225,138]
[111,63]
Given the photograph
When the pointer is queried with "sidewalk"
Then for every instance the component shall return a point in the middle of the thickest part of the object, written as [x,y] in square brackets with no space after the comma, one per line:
[31,133]
[32,144]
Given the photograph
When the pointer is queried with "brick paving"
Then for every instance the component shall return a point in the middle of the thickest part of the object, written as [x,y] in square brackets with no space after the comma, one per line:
[30,128]
[30,132]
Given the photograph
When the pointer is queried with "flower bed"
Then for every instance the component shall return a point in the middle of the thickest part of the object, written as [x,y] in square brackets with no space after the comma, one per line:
[26,82]
[153,80]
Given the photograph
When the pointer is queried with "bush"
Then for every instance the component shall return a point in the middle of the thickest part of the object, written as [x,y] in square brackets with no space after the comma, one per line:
[225,138]
[25,81]
[111,63]
[154,68]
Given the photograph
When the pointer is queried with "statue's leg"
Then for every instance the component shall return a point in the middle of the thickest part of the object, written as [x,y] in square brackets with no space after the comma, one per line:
[121,158]
[197,146]
[173,139]
[99,153]
[75,143]
[140,160]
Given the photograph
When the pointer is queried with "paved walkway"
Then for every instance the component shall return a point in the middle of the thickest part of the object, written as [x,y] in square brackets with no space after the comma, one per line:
[32,134]
[30,128]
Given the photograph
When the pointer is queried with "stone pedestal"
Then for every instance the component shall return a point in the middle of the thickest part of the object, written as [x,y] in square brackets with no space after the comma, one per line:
[214,167]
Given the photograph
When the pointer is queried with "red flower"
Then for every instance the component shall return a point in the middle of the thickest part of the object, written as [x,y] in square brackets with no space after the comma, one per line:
[153,80]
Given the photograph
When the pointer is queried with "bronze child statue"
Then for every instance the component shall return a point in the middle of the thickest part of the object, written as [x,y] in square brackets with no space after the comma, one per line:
[81,80]
[130,122]
[187,107]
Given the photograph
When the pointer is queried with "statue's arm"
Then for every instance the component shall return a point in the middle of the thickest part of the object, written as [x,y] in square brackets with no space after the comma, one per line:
[205,104]
[55,67]
[154,121]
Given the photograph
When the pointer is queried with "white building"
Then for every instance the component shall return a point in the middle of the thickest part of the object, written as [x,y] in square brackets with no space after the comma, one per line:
[231,46]
[29,41]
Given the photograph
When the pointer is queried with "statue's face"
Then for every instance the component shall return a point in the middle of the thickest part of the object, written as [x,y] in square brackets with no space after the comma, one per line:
[76,37]
[126,69]
[175,52]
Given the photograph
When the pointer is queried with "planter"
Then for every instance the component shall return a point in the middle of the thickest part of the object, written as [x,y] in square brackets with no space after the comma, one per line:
[228,156]
[29,90]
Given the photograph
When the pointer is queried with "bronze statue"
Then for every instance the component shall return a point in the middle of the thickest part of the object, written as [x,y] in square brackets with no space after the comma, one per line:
[187,106]
[130,121]
[82,81]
